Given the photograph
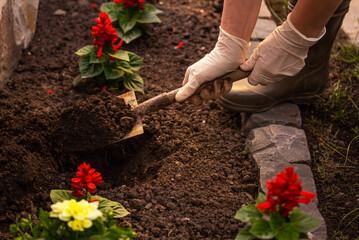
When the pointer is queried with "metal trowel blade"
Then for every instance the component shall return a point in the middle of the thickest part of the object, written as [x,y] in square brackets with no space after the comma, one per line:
[130,98]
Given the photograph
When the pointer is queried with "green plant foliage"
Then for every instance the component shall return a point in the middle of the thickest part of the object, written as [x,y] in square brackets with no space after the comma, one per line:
[116,70]
[105,205]
[49,228]
[275,227]
[131,22]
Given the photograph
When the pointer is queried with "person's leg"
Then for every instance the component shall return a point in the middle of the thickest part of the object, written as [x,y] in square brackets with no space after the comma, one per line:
[311,80]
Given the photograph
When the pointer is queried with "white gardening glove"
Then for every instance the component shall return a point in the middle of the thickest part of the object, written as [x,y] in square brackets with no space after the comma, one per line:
[227,55]
[281,54]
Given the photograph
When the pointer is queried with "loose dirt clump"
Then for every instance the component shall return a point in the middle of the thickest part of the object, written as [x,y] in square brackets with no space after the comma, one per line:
[94,123]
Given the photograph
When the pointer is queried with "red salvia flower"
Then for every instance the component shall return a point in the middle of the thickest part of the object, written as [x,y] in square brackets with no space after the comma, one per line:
[130,3]
[86,179]
[104,32]
[285,193]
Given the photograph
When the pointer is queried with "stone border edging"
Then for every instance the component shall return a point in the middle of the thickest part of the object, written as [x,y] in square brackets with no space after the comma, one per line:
[274,141]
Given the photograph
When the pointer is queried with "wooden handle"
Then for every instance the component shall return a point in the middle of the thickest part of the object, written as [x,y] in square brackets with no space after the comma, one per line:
[165,99]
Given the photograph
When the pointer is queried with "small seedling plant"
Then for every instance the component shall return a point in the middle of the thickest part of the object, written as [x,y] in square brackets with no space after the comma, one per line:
[277,215]
[106,63]
[131,17]
[76,214]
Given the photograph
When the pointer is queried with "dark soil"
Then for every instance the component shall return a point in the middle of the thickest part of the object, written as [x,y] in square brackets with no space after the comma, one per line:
[188,174]
[184,178]
[94,123]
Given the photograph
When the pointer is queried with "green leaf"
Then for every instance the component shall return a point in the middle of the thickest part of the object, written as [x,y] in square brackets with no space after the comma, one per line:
[122,55]
[287,232]
[127,20]
[261,198]
[95,59]
[85,50]
[262,230]
[107,7]
[106,205]
[244,234]
[112,73]
[133,82]
[148,17]
[44,218]
[58,195]
[151,8]
[135,61]
[125,66]
[301,222]
[88,69]
[276,221]
[130,35]
[248,214]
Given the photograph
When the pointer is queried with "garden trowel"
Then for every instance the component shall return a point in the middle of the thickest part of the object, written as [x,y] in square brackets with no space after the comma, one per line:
[205,92]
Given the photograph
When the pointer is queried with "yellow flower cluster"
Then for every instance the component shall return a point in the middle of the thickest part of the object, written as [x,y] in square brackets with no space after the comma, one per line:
[79,215]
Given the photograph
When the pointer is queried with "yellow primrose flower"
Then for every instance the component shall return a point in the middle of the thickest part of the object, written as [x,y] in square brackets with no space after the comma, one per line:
[79,225]
[78,214]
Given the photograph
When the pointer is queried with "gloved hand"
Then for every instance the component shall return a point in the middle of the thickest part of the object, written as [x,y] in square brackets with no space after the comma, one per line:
[281,54]
[227,55]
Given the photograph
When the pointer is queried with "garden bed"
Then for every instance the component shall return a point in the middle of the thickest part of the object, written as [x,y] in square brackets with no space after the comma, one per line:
[184,178]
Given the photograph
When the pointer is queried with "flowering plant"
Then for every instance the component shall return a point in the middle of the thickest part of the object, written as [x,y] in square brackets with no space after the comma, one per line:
[104,60]
[76,214]
[277,215]
[131,17]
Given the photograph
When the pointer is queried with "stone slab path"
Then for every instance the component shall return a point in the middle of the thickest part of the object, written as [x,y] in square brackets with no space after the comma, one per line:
[275,139]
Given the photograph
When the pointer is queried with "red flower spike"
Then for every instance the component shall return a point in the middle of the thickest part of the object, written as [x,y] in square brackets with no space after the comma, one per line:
[179,45]
[49,92]
[86,180]
[285,193]
[130,3]
[103,32]
[93,5]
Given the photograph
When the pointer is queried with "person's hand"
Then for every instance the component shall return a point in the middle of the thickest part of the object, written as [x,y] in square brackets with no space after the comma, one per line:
[227,55]
[280,55]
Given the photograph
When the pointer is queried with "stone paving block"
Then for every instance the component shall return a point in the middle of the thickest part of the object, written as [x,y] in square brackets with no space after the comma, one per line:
[263,28]
[286,114]
[264,11]
[268,171]
[319,233]
[278,143]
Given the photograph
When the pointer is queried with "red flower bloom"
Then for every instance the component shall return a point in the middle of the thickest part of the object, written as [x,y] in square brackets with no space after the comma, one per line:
[49,92]
[285,193]
[104,32]
[86,179]
[130,3]
[104,88]
[93,5]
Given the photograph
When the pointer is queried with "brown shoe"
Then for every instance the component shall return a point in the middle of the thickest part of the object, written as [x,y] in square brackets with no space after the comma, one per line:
[312,80]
